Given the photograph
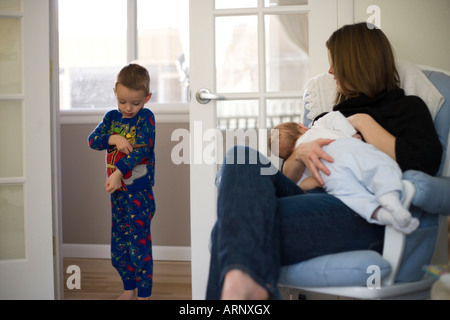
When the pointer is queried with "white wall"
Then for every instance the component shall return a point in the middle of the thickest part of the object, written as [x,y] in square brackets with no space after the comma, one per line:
[418,30]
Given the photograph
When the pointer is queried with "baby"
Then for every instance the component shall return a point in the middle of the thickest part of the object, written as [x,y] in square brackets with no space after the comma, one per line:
[363,177]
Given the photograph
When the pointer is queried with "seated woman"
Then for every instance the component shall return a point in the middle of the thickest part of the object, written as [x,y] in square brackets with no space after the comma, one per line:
[267,221]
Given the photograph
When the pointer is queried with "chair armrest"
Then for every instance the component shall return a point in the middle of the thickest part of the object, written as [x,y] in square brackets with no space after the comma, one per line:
[394,245]
[394,241]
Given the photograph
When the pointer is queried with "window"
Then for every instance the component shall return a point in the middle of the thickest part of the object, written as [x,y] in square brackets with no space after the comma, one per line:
[98,37]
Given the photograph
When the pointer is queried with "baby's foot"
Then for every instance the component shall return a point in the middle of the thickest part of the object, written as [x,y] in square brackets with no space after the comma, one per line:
[407,226]
[410,227]
[399,209]
[401,216]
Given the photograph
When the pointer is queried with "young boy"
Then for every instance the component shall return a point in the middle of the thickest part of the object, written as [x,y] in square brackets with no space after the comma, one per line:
[364,178]
[128,135]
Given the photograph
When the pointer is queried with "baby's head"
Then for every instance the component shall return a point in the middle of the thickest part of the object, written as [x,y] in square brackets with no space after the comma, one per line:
[283,137]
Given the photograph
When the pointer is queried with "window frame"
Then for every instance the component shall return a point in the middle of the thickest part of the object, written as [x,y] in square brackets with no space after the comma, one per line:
[171,112]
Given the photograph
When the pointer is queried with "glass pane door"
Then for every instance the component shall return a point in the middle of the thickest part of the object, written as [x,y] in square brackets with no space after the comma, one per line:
[262,64]
[26,250]
[12,229]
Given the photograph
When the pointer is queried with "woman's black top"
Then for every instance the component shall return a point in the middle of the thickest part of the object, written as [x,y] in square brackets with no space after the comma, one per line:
[409,120]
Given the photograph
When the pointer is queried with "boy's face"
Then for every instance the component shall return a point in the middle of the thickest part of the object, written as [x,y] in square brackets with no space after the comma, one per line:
[129,101]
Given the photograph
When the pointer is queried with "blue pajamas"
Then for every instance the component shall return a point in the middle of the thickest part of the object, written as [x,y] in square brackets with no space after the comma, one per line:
[131,242]
[133,206]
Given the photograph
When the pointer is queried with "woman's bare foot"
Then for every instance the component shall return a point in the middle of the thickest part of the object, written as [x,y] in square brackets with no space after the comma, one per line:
[238,285]
[127,295]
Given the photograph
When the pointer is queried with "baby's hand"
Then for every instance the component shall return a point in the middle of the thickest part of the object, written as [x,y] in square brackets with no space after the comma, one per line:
[114,182]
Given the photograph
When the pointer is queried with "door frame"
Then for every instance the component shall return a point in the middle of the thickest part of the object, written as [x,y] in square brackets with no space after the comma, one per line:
[58,262]
[32,277]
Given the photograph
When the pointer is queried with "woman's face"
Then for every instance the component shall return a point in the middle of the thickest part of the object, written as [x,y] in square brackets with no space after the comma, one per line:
[331,71]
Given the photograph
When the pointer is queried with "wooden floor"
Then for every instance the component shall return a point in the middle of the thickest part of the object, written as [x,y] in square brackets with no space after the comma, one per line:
[100,281]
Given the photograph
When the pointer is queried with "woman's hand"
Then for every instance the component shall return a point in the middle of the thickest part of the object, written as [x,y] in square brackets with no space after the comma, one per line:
[121,143]
[114,181]
[308,155]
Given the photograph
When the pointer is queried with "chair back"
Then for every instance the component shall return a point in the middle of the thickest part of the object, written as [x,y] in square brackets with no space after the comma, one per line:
[441,80]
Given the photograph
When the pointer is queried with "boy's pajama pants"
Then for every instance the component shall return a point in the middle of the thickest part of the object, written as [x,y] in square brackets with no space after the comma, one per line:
[131,242]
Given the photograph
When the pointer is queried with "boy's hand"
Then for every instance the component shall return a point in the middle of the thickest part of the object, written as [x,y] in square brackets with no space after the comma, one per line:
[121,143]
[114,182]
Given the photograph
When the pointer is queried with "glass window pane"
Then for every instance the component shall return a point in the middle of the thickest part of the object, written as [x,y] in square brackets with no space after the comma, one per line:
[283,110]
[237,114]
[287,52]
[10,5]
[233,4]
[92,49]
[237,54]
[163,40]
[12,229]
[10,56]
[238,122]
[276,3]
[11,139]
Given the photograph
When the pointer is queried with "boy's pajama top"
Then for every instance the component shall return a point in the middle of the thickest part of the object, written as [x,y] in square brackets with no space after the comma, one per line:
[133,206]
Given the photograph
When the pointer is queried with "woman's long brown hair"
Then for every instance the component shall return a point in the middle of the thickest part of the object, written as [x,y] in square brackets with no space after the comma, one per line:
[362,60]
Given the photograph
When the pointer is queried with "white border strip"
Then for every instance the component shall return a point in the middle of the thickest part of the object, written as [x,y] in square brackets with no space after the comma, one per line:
[102,251]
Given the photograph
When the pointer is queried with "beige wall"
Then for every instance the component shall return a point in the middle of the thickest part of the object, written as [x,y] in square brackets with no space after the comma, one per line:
[418,30]
[86,205]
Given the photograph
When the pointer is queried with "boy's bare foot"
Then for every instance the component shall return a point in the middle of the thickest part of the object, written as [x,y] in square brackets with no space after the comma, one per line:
[238,285]
[127,295]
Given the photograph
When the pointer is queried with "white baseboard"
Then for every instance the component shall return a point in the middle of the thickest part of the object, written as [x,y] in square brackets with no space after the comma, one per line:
[103,251]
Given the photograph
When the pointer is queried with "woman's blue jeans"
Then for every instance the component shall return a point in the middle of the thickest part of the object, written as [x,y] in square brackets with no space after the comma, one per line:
[265,221]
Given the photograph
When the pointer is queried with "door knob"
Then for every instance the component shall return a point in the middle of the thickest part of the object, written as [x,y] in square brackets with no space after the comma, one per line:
[204,96]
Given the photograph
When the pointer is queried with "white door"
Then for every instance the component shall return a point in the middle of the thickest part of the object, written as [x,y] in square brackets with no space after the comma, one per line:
[255,55]
[26,251]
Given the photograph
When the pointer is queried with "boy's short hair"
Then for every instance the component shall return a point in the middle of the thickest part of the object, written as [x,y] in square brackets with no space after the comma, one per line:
[135,77]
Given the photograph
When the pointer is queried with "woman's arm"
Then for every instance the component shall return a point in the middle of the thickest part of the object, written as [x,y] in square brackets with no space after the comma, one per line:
[373,133]
[308,155]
